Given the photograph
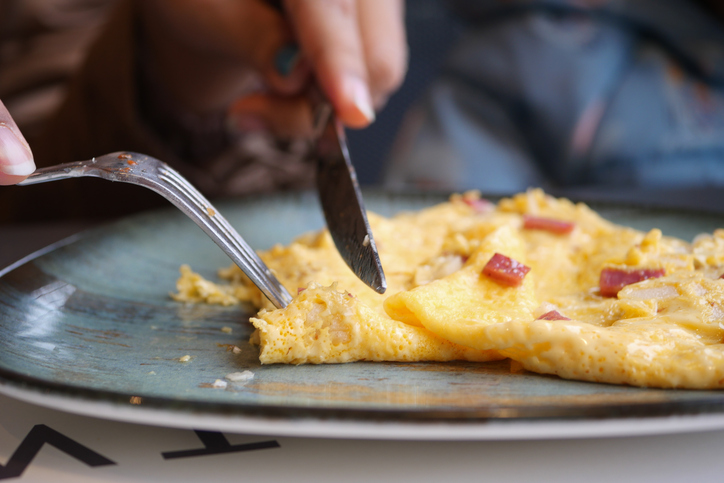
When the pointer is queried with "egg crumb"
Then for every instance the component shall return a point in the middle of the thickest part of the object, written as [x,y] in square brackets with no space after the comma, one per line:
[219,384]
[240,376]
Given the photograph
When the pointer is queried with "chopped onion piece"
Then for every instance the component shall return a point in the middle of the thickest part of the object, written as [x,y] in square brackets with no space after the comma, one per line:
[479,205]
[552,225]
[665,292]
[506,271]
[717,313]
[698,290]
[614,279]
[438,268]
[447,265]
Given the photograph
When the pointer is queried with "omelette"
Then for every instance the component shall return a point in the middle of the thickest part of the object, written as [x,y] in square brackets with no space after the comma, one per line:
[540,280]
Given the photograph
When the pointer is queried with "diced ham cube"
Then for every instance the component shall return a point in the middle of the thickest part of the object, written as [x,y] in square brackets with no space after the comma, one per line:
[552,315]
[505,271]
[479,205]
[552,225]
[614,279]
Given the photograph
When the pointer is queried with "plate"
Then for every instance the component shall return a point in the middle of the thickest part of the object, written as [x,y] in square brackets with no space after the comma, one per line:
[87,326]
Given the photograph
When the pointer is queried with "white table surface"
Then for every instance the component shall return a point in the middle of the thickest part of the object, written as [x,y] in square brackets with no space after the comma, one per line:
[137,451]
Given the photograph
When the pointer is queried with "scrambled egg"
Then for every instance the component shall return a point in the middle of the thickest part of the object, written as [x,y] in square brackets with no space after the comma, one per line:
[662,328]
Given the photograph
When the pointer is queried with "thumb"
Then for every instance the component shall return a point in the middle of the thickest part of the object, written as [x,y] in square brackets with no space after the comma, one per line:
[16,159]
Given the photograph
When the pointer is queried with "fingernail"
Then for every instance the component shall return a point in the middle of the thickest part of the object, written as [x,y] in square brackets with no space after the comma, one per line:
[15,156]
[358,92]
[286,59]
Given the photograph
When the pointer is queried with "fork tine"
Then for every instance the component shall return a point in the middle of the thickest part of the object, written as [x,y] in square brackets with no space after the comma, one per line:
[219,221]
[248,260]
[203,205]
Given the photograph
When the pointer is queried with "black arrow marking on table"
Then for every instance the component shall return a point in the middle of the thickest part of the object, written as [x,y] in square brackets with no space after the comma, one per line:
[216,443]
[33,443]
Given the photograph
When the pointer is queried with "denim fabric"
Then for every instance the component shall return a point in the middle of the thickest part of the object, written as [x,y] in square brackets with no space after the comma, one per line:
[552,94]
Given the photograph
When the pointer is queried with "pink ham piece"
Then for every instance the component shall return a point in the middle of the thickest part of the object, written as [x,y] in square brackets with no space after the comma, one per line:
[552,315]
[614,279]
[505,271]
[558,227]
[479,205]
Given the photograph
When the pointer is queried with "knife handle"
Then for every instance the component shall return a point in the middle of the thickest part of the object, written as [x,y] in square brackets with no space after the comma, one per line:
[287,56]
[286,59]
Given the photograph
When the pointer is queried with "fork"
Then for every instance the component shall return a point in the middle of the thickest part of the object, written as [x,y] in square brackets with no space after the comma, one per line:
[143,170]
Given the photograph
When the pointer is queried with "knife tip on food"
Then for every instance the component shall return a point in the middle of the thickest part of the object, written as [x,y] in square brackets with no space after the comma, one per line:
[378,285]
[373,275]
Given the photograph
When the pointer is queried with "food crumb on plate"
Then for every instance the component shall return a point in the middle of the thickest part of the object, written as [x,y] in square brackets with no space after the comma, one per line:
[240,376]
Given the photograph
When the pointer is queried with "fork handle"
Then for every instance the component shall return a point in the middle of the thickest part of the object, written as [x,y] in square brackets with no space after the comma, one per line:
[51,173]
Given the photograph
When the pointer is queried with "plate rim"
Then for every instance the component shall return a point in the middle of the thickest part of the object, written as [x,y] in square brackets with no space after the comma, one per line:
[29,388]
[393,430]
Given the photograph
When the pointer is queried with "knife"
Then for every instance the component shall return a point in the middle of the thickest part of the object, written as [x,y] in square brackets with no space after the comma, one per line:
[337,185]
[341,199]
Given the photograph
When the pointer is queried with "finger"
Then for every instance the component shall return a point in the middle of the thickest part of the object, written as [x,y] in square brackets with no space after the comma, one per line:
[16,159]
[328,33]
[285,117]
[382,28]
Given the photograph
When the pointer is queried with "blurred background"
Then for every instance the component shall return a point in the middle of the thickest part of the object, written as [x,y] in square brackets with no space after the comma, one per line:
[43,42]
[592,99]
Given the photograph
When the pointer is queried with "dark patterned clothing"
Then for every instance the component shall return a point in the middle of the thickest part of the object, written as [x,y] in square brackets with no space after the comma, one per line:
[112,103]
[569,93]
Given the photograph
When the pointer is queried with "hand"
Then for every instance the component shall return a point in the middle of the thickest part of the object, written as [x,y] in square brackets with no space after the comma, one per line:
[206,54]
[16,159]
[356,48]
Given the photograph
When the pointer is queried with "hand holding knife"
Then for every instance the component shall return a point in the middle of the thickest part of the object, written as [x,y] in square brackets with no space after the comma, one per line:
[341,199]
[337,186]
[340,195]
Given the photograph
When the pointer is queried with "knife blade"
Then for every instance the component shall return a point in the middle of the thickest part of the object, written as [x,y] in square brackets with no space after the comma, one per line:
[337,185]
[341,199]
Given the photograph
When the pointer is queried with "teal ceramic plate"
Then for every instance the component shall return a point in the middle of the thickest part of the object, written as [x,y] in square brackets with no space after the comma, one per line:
[88,326]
